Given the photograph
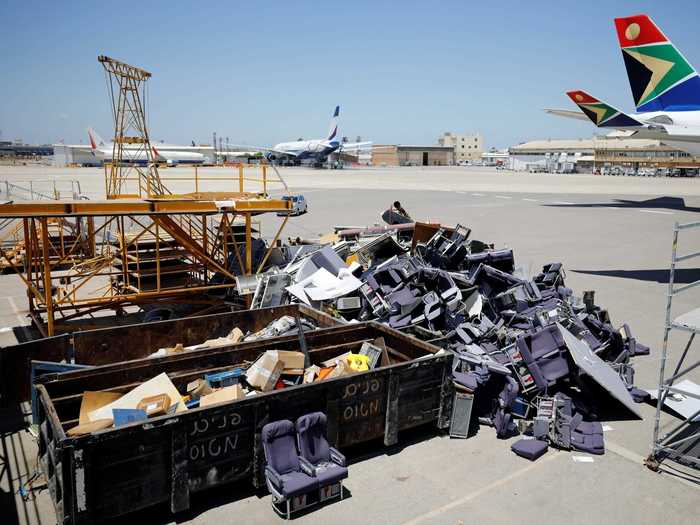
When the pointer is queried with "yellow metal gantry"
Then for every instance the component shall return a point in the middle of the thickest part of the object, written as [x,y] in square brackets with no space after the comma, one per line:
[142,243]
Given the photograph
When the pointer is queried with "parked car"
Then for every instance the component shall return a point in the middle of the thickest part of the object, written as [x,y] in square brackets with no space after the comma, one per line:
[299,205]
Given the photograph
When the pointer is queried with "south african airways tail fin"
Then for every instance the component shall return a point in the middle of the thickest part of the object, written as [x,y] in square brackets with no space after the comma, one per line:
[601,114]
[660,76]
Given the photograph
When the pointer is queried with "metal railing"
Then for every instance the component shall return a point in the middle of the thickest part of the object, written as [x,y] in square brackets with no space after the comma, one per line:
[41,189]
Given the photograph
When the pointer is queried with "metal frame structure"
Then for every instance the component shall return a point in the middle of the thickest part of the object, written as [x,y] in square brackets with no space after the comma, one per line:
[142,244]
[686,432]
[132,144]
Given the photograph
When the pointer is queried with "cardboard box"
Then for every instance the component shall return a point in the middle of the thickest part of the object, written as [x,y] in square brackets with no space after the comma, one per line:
[235,335]
[293,362]
[94,400]
[160,384]
[340,370]
[311,373]
[229,393]
[198,388]
[264,373]
[90,427]
[335,360]
[154,405]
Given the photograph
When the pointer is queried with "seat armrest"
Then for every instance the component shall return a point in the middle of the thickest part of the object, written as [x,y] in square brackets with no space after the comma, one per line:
[273,476]
[337,457]
[307,467]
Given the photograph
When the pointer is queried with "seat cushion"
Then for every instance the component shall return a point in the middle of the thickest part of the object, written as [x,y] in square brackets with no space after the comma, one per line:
[588,437]
[295,483]
[639,395]
[465,379]
[529,448]
[329,473]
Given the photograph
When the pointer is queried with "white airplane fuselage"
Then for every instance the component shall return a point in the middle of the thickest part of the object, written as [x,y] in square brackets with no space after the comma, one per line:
[304,149]
[138,155]
[678,129]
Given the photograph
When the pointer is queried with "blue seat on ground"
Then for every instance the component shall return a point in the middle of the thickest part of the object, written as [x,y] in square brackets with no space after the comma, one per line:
[328,464]
[285,475]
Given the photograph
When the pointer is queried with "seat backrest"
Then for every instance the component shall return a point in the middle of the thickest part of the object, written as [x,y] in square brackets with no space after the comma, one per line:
[545,341]
[313,444]
[279,444]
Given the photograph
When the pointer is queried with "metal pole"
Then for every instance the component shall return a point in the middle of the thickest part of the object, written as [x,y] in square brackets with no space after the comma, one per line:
[248,246]
[48,296]
[664,351]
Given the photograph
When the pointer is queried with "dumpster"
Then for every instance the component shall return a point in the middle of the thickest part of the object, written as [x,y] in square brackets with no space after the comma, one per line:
[124,343]
[165,459]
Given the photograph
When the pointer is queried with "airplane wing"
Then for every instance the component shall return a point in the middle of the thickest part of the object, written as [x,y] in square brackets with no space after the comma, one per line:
[568,113]
[355,146]
[679,131]
[262,149]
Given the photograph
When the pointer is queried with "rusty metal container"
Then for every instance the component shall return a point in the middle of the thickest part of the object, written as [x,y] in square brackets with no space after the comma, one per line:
[116,471]
[124,343]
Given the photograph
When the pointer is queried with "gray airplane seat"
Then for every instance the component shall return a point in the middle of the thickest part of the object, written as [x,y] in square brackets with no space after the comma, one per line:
[587,436]
[531,449]
[543,353]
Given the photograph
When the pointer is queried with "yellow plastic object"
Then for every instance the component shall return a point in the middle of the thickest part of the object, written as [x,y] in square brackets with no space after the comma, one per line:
[352,259]
[358,362]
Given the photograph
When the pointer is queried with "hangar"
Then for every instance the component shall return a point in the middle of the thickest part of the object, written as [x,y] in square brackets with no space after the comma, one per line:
[402,155]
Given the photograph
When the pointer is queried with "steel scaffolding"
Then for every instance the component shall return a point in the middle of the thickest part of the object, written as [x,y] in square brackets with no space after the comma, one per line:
[682,442]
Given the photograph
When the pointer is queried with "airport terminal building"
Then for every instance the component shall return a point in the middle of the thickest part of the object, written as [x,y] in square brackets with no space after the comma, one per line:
[598,154]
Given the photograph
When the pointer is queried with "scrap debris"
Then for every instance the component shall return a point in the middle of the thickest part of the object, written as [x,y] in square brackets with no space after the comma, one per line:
[529,356]
[539,360]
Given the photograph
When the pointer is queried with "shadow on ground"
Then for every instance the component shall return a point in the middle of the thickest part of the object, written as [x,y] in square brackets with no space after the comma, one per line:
[14,509]
[666,203]
[682,275]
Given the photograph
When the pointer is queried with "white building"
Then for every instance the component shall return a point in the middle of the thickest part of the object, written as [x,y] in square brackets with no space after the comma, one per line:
[553,156]
[466,147]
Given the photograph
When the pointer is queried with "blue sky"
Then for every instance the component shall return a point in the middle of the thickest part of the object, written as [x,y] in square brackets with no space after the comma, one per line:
[264,72]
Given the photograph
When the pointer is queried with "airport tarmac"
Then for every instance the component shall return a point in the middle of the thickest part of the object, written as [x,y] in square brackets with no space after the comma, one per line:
[613,235]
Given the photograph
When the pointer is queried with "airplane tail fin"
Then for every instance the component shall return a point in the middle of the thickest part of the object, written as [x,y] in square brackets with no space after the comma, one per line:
[333,131]
[600,113]
[660,76]
[95,140]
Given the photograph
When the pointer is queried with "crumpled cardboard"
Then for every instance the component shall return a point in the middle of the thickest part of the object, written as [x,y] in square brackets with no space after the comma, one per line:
[293,362]
[264,373]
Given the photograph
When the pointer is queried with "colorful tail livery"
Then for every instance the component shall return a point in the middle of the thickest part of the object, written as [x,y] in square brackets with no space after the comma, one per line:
[660,77]
[333,131]
[602,115]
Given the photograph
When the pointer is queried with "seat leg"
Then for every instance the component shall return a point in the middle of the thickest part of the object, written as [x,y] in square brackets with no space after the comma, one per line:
[341,489]
[288,502]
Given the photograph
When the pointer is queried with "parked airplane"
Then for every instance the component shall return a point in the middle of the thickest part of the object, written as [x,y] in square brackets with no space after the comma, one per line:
[136,154]
[665,88]
[316,150]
